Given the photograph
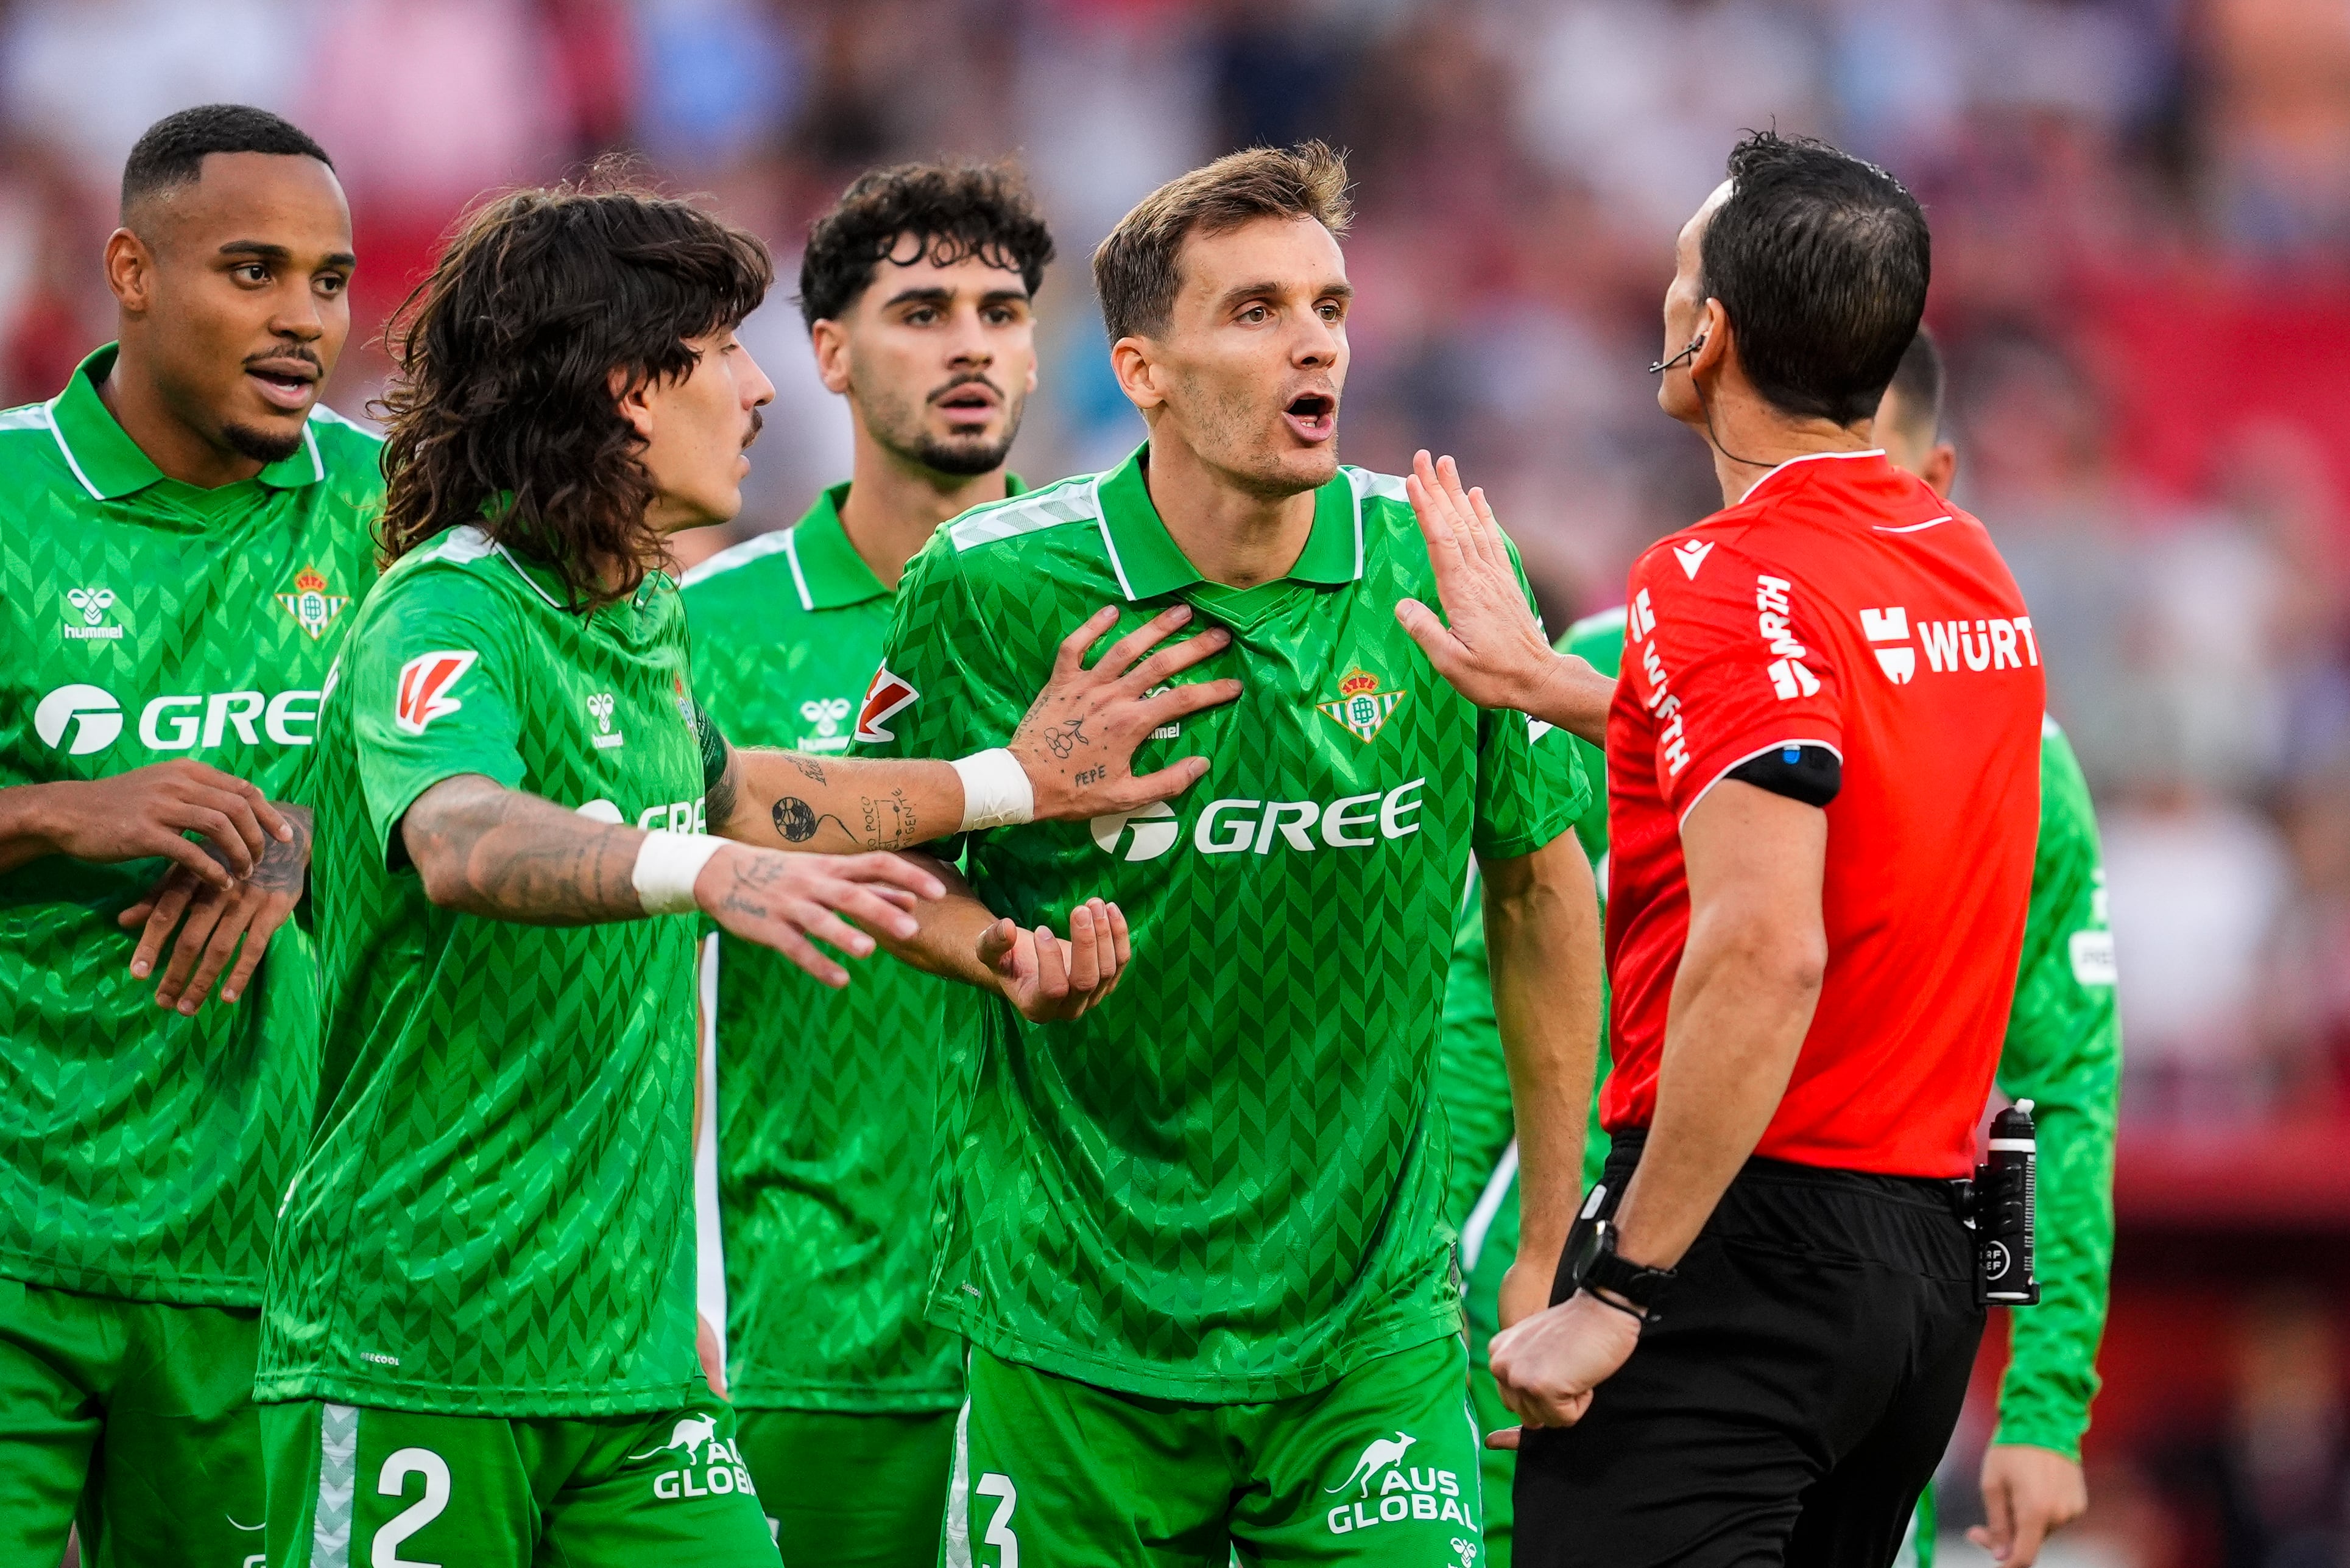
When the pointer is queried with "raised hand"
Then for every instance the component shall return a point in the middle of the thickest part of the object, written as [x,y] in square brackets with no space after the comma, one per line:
[1493,651]
[1048,978]
[212,922]
[144,812]
[779,899]
[1076,741]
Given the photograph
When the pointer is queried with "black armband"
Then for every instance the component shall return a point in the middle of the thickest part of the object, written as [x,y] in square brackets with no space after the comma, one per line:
[1812,775]
[713,748]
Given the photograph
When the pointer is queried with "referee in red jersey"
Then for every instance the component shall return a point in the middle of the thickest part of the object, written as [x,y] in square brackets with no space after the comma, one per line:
[1824,758]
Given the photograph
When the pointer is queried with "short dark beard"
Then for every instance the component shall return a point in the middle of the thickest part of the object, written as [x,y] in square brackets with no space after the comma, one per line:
[261,446]
[957,459]
[961,461]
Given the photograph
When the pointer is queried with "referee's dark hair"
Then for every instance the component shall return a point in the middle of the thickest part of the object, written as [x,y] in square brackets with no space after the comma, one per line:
[1918,382]
[1821,262]
[948,213]
[171,151]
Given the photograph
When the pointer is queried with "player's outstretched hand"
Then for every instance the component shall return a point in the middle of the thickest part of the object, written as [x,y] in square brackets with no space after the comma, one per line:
[1048,978]
[2028,1494]
[1493,651]
[1547,1366]
[212,920]
[146,811]
[1076,741]
[780,898]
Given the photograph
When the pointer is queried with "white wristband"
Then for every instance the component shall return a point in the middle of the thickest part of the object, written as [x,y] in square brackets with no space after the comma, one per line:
[666,867]
[995,790]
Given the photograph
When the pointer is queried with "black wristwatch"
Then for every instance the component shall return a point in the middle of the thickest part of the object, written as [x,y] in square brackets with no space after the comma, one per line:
[1597,1268]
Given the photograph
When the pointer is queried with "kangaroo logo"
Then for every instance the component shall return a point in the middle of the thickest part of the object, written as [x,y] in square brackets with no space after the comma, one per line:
[1382,1453]
[691,1434]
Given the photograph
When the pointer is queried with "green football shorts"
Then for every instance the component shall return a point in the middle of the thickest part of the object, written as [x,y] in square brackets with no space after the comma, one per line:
[351,1487]
[850,1491]
[133,1420]
[1378,1469]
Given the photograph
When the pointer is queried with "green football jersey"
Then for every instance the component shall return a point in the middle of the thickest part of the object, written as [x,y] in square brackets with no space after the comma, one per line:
[495,1213]
[1226,1182]
[826,1099]
[142,1152]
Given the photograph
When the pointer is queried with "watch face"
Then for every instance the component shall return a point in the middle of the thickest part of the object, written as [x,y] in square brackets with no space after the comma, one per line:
[1591,1239]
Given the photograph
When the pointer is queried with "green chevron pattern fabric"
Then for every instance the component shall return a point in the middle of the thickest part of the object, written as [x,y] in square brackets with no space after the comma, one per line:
[827,1099]
[494,1216]
[1227,1182]
[142,1152]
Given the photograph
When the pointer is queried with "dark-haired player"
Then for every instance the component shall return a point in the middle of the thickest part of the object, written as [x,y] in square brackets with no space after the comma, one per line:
[2062,1051]
[182,530]
[478,1340]
[917,289]
[1823,759]
[1197,1236]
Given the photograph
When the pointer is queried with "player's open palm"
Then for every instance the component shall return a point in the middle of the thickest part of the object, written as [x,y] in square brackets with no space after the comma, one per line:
[1049,979]
[1076,741]
[780,899]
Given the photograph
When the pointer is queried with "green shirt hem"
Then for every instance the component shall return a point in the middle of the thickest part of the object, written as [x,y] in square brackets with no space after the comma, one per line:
[453,1399]
[1124,1375]
[169,1288]
[846,1399]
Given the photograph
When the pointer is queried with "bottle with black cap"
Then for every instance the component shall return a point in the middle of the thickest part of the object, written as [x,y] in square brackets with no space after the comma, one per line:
[2005,1189]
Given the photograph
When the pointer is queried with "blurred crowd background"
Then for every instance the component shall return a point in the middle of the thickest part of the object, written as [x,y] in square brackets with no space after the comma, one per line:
[2141,211]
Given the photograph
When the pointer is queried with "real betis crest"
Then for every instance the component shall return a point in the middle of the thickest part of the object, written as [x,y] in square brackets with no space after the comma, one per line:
[314,609]
[1361,706]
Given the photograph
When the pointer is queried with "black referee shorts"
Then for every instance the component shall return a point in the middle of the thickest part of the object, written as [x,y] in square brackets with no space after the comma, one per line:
[1793,1398]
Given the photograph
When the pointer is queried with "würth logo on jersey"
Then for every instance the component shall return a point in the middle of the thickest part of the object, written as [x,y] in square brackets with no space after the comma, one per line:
[1993,642]
[424,682]
[887,695]
[1774,616]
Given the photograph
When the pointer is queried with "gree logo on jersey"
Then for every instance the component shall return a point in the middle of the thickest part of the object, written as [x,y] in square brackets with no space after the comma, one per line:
[1362,708]
[85,621]
[1993,642]
[1238,826]
[890,694]
[424,682]
[313,607]
[82,719]
[1389,1492]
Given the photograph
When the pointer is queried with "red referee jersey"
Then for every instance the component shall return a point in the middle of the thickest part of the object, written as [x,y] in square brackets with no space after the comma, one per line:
[1843,604]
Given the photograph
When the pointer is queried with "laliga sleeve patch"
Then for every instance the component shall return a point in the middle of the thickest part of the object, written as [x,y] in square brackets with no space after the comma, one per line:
[425,683]
[887,695]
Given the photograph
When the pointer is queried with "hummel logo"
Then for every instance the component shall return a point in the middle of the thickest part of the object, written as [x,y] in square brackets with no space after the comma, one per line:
[1692,556]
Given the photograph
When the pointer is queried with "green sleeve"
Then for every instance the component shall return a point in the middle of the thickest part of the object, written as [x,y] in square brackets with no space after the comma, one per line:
[1600,640]
[1530,789]
[1472,1077]
[2063,1053]
[432,683]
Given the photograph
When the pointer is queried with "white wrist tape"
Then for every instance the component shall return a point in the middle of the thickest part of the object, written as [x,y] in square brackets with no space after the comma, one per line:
[995,790]
[666,867]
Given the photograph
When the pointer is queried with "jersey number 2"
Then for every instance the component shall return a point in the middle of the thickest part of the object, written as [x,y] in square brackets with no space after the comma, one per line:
[393,1482]
[999,1529]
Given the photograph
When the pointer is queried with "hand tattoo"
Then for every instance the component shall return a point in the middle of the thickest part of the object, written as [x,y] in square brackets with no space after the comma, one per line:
[797,821]
[1091,776]
[1067,738]
[283,866]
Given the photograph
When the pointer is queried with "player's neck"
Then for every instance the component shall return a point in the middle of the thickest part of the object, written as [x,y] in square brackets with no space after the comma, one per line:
[139,406]
[894,505]
[1231,535]
[1749,437]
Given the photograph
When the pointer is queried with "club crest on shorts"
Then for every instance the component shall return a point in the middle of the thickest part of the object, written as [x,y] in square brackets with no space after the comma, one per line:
[313,607]
[887,695]
[424,682]
[1362,708]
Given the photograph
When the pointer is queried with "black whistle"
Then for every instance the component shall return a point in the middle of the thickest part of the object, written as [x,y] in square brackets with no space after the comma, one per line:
[2006,1191]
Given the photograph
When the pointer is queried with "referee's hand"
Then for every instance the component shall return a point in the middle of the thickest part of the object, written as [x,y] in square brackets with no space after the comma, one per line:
[1547,1366]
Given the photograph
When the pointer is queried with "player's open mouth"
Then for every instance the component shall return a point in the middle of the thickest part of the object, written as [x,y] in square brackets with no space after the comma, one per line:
[285,384]
[1313,416]
[969,405]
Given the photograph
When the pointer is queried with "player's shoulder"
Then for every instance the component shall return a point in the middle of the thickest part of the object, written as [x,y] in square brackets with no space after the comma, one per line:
[996,534]
[457,567]
[30,452]
[350,453]
[761,565]
[1601,633]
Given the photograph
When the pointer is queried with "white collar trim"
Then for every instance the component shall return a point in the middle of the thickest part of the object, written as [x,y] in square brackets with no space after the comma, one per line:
[1807,457]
